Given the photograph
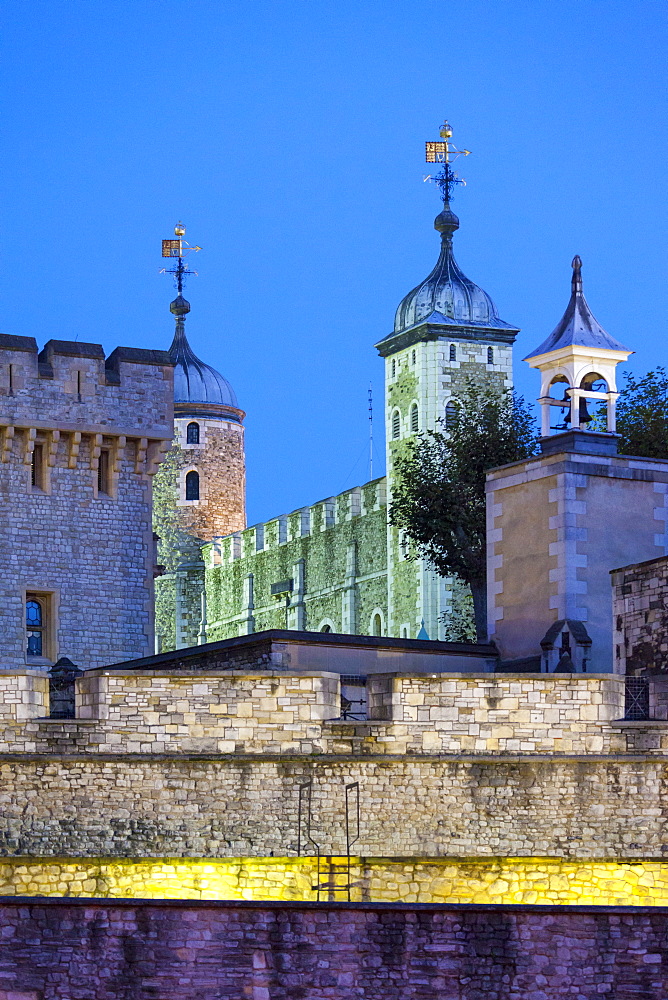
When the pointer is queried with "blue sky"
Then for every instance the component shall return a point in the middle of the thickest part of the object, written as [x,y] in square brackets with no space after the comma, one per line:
[289,138]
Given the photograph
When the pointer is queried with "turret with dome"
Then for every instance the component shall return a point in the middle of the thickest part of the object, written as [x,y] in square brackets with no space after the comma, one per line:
[447,297]
[446,303]
[209,461]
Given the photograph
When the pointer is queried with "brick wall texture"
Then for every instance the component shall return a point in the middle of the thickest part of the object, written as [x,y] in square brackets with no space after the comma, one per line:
[60,950]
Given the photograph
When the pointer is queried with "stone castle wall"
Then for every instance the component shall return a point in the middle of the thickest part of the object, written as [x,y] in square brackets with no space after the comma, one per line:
[209,764]
[62,413]
[505,881]
[330,559]
[640,613]
[144,950]
[69,804]
[236,711]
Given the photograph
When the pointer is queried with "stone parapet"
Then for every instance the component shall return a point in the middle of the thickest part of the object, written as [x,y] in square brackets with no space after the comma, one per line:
[285,711]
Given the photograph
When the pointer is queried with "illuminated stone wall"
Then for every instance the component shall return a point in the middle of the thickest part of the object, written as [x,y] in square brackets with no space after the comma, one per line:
[189,805]
[406,880]
[132,950]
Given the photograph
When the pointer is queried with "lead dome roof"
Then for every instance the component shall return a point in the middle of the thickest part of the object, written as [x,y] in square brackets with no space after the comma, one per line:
[446,296]
[195,381]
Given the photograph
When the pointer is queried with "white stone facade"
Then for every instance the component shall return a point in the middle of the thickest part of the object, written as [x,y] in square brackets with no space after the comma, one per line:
[436,377]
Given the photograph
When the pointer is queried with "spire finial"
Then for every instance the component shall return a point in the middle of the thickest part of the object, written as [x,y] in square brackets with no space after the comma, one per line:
[576,280]
[178,248]
[445,152]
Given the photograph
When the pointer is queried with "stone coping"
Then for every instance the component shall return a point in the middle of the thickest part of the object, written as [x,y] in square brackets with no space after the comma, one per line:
[491,676]
[638,723]
[14,756]
[202,673]
[245,904]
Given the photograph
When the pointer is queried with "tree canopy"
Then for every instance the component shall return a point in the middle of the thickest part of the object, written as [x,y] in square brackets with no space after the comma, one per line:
[438,493]
[642,415]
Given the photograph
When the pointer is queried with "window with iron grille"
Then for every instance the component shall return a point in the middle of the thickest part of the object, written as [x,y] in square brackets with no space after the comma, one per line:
[636,700]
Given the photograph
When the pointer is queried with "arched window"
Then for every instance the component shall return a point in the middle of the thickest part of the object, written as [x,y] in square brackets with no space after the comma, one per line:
[396,424]
[453,352]
[34,627]
[377,625]
[490,355]
[192,433]
[326,628]
[415,419]
[192,486]
[451,410]
[593,382]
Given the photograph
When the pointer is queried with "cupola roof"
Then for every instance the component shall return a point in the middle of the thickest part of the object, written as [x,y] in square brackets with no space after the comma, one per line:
[578,326]
[195,381]
[447,297]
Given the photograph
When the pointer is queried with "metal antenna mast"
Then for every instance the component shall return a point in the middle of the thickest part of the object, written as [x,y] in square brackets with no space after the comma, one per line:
[178,248]
[370,431]
[445,152]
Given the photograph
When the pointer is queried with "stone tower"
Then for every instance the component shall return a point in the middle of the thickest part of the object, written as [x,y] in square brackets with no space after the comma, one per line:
[209,434]
[201,488]
[445,329]
[80,439]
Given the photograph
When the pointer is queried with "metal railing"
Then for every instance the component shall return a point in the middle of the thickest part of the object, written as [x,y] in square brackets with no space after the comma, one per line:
[331,877]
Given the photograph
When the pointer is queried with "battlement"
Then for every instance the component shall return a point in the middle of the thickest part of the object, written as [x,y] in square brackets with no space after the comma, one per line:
[73,386]
[302,523]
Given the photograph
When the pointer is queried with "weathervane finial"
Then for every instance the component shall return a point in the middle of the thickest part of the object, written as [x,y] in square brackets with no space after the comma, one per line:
[445,152]
[178,248]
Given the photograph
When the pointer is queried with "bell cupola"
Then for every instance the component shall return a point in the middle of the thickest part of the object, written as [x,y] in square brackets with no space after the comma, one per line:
[208,425]
[578,363]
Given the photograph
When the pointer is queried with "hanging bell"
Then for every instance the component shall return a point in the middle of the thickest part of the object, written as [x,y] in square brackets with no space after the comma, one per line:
[583,415]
